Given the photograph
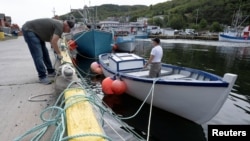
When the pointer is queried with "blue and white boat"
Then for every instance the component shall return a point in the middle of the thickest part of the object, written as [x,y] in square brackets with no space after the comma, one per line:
[125,43]
[93,42]
[232,35]
[190,93]
[236,33]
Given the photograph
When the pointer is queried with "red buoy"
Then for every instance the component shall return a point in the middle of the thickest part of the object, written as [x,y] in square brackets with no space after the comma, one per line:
[72,44]
[106,85]
[118,87]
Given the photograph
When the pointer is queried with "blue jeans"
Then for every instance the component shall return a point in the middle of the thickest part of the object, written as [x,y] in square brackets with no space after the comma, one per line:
[39,53]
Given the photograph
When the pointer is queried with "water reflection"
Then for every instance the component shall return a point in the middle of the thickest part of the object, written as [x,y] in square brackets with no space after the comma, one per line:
[166,126]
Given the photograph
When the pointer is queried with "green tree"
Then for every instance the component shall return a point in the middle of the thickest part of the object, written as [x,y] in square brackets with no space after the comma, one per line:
[165,21]
[203,24]
[177,22]
[151,7]
[133,19]
[215,27]
[193,26]
[158,22]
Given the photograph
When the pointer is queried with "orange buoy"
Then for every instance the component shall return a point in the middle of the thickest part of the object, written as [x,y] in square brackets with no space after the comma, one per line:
[106,85]
[72,47]
[94,66]
[72,44]
[118,87]
[98,70]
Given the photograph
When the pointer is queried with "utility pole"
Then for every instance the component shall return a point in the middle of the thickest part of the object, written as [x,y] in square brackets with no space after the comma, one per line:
[197,14]
[168,18]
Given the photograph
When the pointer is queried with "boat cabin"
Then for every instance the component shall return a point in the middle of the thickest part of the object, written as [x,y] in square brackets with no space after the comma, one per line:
[125,61]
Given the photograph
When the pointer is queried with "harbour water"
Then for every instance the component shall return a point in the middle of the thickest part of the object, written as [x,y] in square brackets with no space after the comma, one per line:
[212,56]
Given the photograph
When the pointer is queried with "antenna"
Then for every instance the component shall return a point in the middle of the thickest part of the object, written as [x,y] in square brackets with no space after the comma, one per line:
[54,11]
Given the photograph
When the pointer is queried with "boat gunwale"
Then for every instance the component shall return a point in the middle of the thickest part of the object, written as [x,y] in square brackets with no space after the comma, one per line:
[215,82]
[235,38]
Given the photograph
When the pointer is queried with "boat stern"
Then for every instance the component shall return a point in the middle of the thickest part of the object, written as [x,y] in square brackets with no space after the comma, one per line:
[231,79]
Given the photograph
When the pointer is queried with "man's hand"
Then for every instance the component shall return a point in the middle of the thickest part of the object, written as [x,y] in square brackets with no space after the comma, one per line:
[59,57]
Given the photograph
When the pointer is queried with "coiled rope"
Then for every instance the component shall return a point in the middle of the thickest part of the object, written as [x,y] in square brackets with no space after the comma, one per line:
[57,118]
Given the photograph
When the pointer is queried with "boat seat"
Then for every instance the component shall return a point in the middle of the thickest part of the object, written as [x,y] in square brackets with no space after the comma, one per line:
[145,73]
[182,74]
[174,76]
[139,73]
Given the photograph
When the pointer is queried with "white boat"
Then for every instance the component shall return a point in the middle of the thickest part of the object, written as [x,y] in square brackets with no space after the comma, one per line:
[236,36]
[126,43]
[236,33]
[190,93]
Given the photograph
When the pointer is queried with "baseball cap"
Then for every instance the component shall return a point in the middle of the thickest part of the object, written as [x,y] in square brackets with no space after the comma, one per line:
[71,24]
[157,40]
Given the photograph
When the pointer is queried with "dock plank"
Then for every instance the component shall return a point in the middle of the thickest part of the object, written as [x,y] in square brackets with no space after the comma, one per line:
[81,118]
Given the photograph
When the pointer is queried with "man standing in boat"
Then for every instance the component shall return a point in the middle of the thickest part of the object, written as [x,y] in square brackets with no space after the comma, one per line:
[36,33]
[155,59]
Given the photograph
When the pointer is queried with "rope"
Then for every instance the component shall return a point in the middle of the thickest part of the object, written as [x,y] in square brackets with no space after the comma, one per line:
[151,108]
[38,100]
[57,120]
[57,116]
[94,58]
[95,100]
[104,109]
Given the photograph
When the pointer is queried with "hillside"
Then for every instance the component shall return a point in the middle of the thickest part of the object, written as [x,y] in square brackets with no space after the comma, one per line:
[109,10]
[180,13]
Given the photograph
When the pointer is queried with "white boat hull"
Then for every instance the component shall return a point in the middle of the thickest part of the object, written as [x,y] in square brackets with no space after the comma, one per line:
[181,101]
[196,100]
[228,38]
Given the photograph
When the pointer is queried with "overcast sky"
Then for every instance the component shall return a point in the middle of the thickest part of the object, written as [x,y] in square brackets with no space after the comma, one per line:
[23,10]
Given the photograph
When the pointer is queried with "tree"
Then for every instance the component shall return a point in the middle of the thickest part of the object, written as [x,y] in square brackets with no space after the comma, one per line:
[177,22]
[133,19]
[165,21]
[158,22]
[215,27]
[151,7]
[193,26]
[203,24]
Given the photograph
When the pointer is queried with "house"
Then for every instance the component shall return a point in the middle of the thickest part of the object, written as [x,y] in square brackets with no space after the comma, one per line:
[7,21]
[2,18]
